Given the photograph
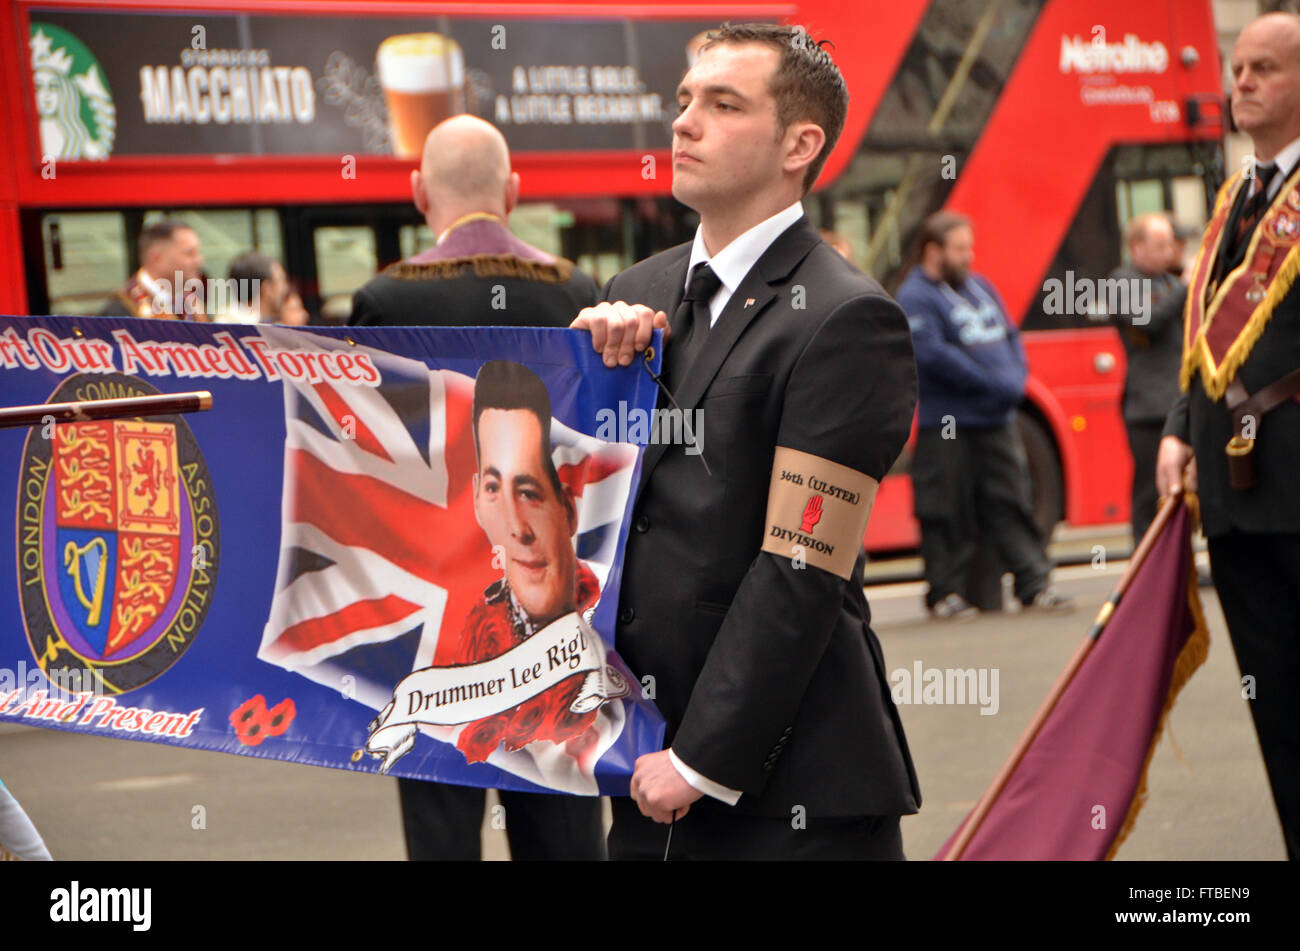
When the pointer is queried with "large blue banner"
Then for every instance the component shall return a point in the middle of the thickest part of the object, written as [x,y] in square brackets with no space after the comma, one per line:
[386,550]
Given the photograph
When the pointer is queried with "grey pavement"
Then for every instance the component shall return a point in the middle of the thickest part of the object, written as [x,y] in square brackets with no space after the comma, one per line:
[99,798]
[1208,795]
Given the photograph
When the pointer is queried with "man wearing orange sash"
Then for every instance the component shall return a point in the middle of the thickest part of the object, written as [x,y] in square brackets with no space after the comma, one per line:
[1236,427]
[169,283]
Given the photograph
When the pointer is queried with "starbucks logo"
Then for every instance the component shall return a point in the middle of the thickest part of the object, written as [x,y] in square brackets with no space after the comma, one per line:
[73,104]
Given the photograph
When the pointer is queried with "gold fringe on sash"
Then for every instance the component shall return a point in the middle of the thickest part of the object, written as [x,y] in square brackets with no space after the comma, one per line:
[1196,354]
[1205,253]
[1216,380]
[1189,659]
[485,265]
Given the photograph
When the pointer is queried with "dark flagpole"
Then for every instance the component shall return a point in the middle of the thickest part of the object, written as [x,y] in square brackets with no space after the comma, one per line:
[89,410]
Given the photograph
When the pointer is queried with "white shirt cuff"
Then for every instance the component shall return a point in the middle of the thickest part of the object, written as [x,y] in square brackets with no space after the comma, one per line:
[703,784]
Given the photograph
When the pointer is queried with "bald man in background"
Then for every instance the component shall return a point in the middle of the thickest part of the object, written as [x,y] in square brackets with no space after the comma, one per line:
[1152,333]
[479,274]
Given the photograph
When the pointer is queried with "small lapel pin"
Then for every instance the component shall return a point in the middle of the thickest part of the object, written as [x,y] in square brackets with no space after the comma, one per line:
[749,302]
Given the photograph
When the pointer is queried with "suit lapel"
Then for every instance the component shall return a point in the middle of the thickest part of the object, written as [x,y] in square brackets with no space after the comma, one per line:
[759,287]
[749,300]
[665,293]
[1229,255]
[669,286]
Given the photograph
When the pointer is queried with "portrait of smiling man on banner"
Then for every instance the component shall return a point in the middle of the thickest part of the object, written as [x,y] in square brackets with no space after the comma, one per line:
[530,519]
[527,671]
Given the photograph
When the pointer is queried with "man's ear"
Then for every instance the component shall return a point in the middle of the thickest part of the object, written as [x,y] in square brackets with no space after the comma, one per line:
[512,192]
[418,194]
[804,141]
[571,511]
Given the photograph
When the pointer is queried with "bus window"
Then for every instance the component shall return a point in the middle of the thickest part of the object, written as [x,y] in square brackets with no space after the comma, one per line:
[268,235]
[1138,198]
[541,224]
[85,259]
[346,258]
[927,122]
[1132,180]
[223,233]
[412,239]
[1187,199]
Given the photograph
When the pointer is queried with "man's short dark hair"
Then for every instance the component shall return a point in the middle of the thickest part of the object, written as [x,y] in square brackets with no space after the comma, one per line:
[246,268]
[935,228]
[807,85]
[159,232]
[504,384]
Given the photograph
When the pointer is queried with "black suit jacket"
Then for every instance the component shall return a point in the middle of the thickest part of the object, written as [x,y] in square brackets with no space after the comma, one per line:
[1274,504]
[768,673]
[1154,348]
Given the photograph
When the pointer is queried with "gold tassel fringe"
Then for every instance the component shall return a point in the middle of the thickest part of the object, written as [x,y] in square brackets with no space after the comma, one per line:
[484,265]
[1191,657]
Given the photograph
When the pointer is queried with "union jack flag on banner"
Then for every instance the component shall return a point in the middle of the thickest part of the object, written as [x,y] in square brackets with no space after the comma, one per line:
[390,590]
[382,549]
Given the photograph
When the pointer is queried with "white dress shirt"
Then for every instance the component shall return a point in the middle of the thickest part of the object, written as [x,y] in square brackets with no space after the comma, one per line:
[732,264]
[1285,160]
[156,294]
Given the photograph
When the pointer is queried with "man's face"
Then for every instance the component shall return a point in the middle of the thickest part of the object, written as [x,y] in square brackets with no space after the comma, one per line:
[958,255]
[726,139]
[1266,79]
[1155,251]
[518,508]
[271,293]
[182,254]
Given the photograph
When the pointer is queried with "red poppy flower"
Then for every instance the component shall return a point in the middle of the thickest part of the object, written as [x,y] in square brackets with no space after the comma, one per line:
[479,739]
[249,721]
[280,716]
[253,722]
[526,720]
[562,723]
[486,634]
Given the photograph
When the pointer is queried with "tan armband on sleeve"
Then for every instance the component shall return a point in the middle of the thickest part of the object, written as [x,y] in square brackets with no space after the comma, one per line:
[817,511]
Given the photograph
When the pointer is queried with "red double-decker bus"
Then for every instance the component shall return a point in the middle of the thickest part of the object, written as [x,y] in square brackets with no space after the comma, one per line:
[282,126]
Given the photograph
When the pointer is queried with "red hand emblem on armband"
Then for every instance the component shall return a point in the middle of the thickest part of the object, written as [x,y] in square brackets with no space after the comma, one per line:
[812,513]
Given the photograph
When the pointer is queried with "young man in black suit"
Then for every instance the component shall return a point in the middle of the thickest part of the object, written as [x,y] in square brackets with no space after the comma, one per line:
[480,274]
[1241,396]
[742,586]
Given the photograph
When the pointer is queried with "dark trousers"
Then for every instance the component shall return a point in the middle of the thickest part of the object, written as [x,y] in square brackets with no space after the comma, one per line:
[712,831]
[1258,580]
[980,477]
[1144,444]
[442,824]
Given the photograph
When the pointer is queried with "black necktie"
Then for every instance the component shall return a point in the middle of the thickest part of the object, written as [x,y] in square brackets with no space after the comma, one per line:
[690,325]
[1256,205]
